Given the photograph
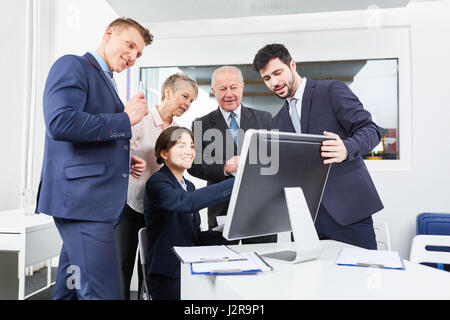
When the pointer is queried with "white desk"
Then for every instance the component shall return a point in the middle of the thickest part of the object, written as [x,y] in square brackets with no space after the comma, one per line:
[34,236]
[317,279]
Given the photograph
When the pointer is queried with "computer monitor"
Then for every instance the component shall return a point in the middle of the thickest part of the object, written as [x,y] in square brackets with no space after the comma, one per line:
[259,202]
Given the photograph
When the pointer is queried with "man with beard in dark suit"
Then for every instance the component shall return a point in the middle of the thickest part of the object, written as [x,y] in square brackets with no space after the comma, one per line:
[330,108]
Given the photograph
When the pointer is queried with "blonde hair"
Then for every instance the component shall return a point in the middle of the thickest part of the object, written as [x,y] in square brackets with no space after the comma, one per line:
[174,82]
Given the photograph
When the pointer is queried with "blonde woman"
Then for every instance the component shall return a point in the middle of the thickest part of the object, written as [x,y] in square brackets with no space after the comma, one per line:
[177,93]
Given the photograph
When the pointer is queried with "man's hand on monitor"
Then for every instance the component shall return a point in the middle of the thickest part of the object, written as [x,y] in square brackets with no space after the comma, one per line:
[231,165]
[333,150]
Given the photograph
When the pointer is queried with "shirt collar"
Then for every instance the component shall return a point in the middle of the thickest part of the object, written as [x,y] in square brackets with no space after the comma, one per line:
[101,62]
[183,184]
[157,117]
[226,114]
[299,93]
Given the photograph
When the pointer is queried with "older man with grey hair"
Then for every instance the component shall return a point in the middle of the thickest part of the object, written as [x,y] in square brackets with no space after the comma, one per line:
[230,120]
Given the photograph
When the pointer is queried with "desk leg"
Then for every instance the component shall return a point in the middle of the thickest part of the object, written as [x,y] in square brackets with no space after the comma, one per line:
[22,272]
[49,272]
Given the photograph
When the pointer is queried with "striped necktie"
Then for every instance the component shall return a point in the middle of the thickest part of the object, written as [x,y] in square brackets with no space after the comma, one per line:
[234,127]
[294,116]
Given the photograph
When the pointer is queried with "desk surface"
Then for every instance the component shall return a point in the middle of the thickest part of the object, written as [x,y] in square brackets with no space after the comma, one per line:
[16,221]
[317,279]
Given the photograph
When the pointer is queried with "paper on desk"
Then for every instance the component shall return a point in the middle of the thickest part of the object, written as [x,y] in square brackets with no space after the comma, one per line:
[206,253]
[252,263]
[370,258]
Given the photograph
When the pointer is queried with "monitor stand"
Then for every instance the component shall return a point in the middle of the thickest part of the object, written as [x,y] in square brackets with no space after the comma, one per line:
[306,241]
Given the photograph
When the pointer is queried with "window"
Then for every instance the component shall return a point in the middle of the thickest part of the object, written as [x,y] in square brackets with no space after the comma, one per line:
[374,81]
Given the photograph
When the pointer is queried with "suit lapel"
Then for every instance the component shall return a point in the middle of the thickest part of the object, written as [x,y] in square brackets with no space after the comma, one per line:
[118,103]
[247,122]
[306,105]
[164,169]
[218,122]
[285,121]
[247,119]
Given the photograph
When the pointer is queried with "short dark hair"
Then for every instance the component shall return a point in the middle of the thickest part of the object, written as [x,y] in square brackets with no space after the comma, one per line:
[168,138]
[128,22]
[269,52]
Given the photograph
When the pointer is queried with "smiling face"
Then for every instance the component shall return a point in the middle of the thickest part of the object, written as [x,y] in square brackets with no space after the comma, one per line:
[121,47]
[280,78]
[179,101]
[181,155]
[228,89]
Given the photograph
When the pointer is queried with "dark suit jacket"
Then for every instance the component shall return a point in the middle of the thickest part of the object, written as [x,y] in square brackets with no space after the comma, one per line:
[330,105]
[86,155]
[172,219]
[203,168]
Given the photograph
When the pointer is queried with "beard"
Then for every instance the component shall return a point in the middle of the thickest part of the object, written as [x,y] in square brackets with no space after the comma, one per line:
[290,86]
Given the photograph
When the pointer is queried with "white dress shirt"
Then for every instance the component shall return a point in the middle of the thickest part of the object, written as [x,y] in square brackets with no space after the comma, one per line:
[299,96]
[227,115]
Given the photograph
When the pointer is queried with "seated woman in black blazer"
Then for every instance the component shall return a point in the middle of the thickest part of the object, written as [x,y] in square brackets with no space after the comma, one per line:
[171,206]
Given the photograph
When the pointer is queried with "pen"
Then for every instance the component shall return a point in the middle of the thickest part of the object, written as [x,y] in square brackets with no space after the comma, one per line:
[141,88]
[269,266]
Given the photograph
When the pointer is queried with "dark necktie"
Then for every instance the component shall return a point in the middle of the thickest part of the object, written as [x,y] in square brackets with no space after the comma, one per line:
[234,127]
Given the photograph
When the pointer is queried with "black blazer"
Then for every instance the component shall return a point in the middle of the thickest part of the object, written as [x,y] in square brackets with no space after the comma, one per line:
[213,173]
[172,219]
[330,105]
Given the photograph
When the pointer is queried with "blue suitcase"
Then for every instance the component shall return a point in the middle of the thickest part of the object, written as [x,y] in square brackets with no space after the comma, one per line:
[435,224]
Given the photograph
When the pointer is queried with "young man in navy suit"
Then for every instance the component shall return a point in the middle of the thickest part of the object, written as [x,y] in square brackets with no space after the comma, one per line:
[86,164]
[330,108]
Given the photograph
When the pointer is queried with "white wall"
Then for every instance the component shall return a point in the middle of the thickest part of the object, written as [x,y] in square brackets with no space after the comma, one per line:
[12,84]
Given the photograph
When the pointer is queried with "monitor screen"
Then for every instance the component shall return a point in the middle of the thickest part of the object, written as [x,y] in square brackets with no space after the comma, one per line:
[269,162]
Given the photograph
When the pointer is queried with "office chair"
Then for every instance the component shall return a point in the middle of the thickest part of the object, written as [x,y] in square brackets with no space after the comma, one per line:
[420,252]
[382,235]
[144,294]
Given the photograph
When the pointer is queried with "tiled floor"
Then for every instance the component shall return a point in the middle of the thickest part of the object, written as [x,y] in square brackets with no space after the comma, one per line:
[39,280]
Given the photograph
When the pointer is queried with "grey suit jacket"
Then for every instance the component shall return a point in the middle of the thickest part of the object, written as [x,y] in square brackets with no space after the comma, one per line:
[211,154]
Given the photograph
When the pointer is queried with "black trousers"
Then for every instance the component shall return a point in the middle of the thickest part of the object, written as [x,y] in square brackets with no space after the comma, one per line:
[360,233]
[164,288]
[127,243]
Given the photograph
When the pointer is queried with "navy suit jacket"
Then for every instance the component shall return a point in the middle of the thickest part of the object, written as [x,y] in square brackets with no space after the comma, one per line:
[86,155]
[172,218]
[330,105]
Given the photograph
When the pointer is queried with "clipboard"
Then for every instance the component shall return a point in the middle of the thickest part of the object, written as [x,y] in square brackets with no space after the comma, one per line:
[358,257]
[205,254]
[252,263]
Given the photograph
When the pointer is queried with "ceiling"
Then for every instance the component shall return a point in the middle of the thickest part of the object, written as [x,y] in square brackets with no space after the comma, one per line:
[153,11]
